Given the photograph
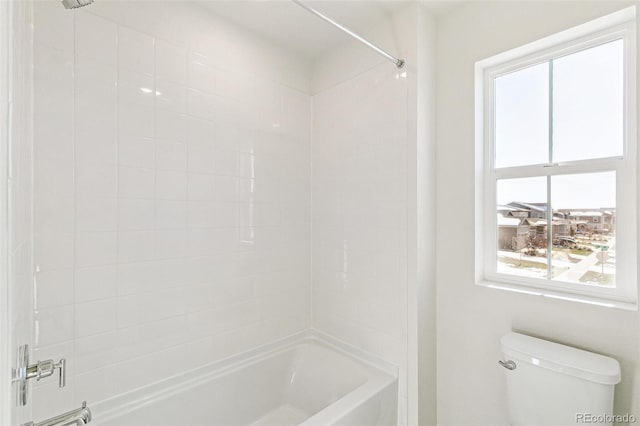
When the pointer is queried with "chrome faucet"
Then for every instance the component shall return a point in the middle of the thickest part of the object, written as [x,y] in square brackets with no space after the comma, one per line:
[78,417]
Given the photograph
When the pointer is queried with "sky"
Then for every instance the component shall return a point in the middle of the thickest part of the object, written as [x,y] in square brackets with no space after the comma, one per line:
[584,191]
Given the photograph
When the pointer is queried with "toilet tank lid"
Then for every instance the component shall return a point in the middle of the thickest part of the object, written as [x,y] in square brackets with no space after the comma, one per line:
[564,359]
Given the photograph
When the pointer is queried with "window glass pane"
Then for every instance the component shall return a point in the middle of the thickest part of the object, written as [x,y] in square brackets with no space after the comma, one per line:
[522,117]
[584,243]
[522,220]
[588,103]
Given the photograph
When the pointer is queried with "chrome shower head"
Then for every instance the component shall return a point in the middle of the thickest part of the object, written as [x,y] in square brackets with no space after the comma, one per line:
[74,4]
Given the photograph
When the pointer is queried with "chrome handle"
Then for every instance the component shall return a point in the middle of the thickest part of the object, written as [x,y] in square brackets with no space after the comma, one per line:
[509,365]
[42,369]
[78,417]
[62,372]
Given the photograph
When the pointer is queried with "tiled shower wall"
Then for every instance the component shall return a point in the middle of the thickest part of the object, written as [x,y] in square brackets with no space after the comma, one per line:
[360,212]
[17,169]
[172,201]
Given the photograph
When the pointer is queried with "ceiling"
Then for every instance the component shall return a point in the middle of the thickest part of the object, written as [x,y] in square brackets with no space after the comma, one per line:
[295,29]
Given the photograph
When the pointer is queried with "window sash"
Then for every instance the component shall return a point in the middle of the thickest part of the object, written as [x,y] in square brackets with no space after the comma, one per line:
[625,290]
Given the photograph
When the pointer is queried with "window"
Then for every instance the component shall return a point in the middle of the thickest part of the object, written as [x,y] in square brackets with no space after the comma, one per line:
[556,151]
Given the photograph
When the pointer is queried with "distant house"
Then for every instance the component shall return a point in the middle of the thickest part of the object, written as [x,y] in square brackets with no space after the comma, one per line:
[533,210]
[609,220]
[565,221]
[590,221]
[511,211]
[512,233]
[559,227]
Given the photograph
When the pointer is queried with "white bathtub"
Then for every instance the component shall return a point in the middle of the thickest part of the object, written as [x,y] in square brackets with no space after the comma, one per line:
[309,383]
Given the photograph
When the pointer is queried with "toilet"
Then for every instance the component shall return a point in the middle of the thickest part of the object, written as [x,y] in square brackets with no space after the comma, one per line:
[556,385]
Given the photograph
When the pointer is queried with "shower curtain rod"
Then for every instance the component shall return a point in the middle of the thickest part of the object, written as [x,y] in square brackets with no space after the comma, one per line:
[398,62]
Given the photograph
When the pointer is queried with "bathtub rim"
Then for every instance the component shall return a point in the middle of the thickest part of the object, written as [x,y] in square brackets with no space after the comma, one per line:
[381,375]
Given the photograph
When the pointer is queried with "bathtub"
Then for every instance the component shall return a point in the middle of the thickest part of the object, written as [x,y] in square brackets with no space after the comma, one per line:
[308,382]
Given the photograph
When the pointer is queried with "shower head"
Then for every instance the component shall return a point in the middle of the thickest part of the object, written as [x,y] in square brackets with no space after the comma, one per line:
[74,4]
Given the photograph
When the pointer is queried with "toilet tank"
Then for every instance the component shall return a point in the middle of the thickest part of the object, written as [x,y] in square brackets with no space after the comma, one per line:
[555,385]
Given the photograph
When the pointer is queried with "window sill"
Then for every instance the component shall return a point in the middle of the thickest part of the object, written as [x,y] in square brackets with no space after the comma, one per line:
[570,297]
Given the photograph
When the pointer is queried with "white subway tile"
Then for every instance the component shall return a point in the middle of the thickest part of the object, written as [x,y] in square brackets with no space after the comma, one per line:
[97,385]
[53,102]
[227,189]
[53,325]
[49,400]
[137,372]
[53,26]
[95,283]
[96,180]
[226,215]
[171,126]
[170,243]
[202,105]
[200,158]
[96,351]
[96,38]
[171,185]
[226,162]
[201,214]
[296,116]
[137,89]
[53,211]
[96,120]
[161,304]
[96,214]
[95,317]
[53,250]
[137,277]
[135,214]
[201,131]
[171,214]
[95,248]
[171,96]
[53,176]
[136,183]
[135,246]
[201,76]
[136,152]
[136,51]
[201,187]
[128,313]
[171,62]
[151,337]
[171,156]
[136,119]
[53,288]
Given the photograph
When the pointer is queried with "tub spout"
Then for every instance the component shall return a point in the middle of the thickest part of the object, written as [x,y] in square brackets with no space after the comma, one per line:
[78,417]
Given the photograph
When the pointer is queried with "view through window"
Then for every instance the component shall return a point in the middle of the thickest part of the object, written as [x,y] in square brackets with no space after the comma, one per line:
[558,125]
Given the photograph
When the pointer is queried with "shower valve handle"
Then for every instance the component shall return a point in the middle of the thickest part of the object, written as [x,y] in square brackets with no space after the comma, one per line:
[42,369]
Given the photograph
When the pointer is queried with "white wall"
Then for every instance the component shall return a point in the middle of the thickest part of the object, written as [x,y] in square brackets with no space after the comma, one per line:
[422,287]
[373,129]
[471,319]
[172,195]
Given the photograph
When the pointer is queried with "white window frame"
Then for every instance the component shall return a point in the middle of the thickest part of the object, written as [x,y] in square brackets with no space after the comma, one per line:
[619,25]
